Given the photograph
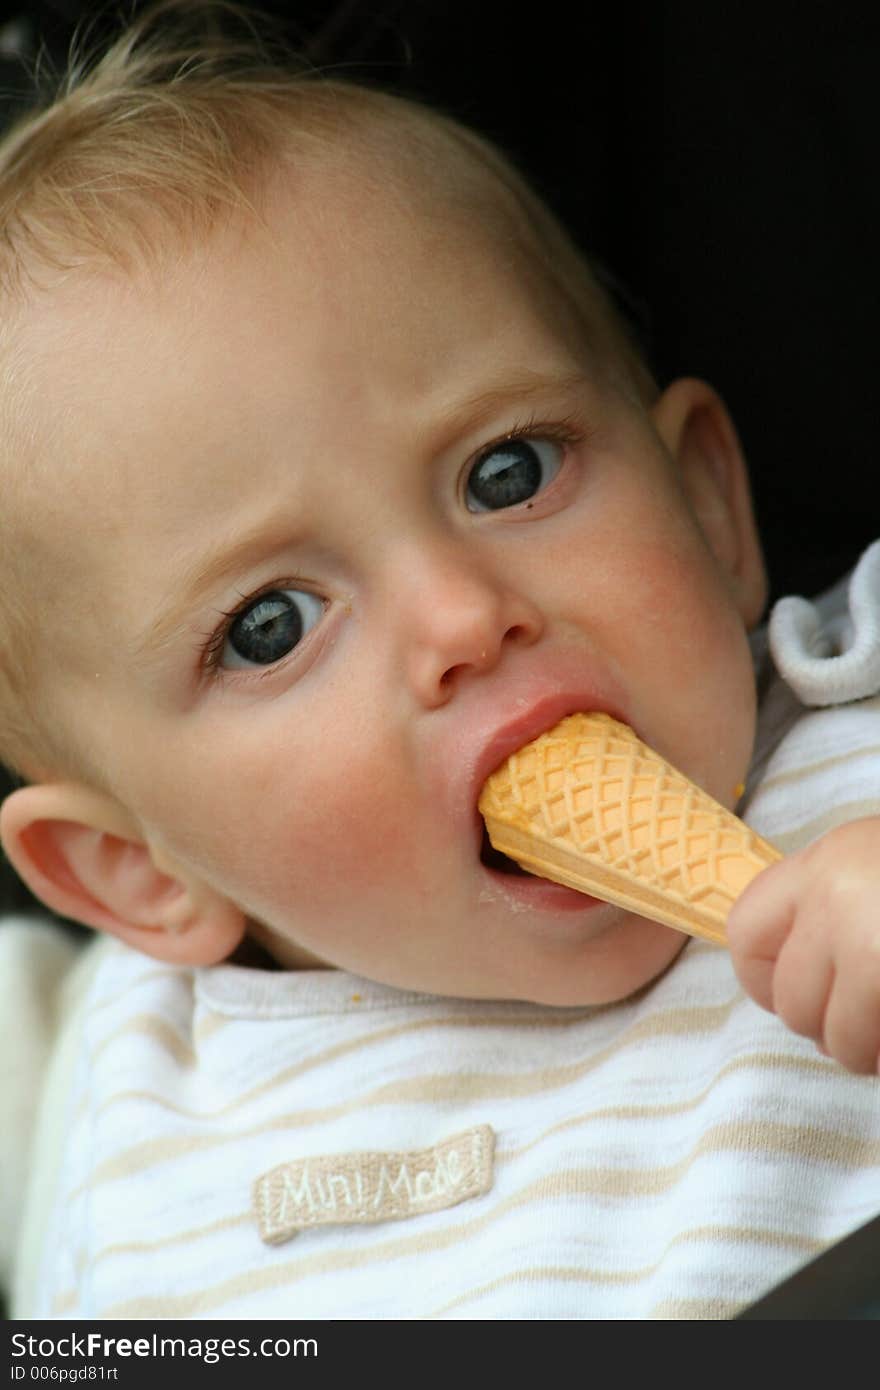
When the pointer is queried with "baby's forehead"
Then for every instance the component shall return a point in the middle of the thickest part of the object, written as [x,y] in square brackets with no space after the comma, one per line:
[368,211]
[101,347]
[336,234]
[377,264]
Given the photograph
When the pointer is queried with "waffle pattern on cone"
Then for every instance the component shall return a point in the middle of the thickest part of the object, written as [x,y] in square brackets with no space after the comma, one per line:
[588,804]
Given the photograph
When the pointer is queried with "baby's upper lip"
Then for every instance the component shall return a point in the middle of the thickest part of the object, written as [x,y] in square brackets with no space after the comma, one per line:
[527,724]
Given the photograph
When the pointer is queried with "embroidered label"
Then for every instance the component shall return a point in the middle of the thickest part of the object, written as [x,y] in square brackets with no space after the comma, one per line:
[338,1189]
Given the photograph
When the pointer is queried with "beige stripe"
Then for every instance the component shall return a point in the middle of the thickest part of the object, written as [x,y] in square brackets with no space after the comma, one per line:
[766,1137]
[67,1300]
[155,1027]
[608,1278]
[457,1087]
[210,1024]
[318,1059]
[668,1023]
[276,1276]
[755,1061]
[556,1274]
[820,766]
[789,841]
[145,1247]
[696,1310]
[141,1025]
[636,1113]
[751,1138]
[816,1145]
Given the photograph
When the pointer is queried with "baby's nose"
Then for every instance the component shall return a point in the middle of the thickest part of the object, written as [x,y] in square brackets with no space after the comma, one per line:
[462,621]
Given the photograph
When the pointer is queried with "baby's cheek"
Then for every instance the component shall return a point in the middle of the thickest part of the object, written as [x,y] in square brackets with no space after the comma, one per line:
[331,832]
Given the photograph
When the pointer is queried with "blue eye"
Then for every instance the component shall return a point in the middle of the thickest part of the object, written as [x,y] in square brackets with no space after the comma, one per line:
[270,627]
[511,472]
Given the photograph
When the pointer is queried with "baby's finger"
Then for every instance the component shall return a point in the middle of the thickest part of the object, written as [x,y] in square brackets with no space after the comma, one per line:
[803,981]
[851,1027]
[758,925]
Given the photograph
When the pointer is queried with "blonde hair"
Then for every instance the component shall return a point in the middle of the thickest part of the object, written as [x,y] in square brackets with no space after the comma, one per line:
[163,138]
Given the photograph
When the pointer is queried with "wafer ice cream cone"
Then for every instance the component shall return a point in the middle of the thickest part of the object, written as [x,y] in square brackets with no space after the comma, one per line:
[589,805]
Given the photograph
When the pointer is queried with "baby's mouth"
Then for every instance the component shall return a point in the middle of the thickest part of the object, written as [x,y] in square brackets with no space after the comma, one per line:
[493,858]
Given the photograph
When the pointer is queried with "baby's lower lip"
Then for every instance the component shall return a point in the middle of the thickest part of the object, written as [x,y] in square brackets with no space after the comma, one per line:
[528,889]
[540,893]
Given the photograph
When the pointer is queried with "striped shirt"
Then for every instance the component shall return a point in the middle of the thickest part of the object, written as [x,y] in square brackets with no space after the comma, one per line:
[249,1144]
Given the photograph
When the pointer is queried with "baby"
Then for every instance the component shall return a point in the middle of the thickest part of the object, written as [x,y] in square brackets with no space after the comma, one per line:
[330,478]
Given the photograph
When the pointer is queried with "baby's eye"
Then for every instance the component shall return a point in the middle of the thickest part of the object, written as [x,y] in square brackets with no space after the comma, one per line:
[512,472]
[269,627]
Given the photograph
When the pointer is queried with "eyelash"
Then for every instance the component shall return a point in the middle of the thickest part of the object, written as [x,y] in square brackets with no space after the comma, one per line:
[566,432]
[216,641]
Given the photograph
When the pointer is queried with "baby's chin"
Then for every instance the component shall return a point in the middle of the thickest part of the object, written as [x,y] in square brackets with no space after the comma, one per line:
[631,957]
[619,963]
[622,963]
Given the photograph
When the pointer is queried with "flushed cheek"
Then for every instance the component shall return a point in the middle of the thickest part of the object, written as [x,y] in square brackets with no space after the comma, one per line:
[318,835]
[641,604]
[663,617]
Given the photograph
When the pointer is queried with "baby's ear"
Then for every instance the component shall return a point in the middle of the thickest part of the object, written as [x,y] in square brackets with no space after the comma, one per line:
[81,854]
[696,428]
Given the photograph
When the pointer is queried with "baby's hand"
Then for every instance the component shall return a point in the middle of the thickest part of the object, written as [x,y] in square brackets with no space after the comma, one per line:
[805,942]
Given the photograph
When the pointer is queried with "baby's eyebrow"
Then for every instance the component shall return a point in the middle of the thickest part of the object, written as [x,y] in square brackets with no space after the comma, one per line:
[520,388]
[218,562]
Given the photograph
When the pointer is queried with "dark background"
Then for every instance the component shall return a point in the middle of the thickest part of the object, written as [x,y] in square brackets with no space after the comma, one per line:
[719,159]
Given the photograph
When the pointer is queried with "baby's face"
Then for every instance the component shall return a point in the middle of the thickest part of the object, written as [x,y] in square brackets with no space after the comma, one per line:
[348,519]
